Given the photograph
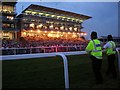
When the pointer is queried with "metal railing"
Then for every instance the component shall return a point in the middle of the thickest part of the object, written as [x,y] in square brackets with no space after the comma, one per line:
[62,54]
[42,49]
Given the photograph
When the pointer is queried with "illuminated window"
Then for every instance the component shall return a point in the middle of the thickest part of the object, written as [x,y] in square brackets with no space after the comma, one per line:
[56,28]
[32,25]
[66,28]
[75,29]
[70,28]
[0,8]
[39,26]
[10,17]
[8,8]
[62,27]
[51,26]
[45,27]
[6,25]
[33,13]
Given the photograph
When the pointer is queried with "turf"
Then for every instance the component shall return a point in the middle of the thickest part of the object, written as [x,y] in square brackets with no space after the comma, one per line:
[48,73]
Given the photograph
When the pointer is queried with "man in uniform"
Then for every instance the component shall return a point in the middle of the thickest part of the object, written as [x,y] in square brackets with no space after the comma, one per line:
[110,48]
[95,50]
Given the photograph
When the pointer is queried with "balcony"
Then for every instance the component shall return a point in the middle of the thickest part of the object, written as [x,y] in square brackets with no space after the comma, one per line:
[9,29]
[9,13]
[9,20]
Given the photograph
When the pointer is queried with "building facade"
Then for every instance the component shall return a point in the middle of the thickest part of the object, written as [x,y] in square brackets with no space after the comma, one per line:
[40,21]
[9,23]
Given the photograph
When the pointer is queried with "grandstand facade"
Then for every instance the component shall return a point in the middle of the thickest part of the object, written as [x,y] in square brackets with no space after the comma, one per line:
[39,21]
[9,23]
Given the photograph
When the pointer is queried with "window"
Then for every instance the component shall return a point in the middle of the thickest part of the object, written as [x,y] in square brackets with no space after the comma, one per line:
[6,25]
[32,25]
[10,17]
[8,8]
[12,26]
[0,8]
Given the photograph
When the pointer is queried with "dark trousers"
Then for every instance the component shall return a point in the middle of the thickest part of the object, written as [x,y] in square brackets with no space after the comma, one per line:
[111,66]
[96,66]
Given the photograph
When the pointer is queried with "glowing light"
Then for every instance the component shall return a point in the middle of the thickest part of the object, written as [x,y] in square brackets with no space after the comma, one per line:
[68,32]
[58,32]
[51,26]
[51,31]
[82,33]
[31,30]
[70,28]
[62,27]
[40,25]
[45,31]
[24,32]
[73,33]
[38,31]
[32,25]
[85,33]
[75,29]
[52,15]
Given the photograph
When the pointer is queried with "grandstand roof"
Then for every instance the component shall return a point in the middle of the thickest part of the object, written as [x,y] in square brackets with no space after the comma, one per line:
[48,9]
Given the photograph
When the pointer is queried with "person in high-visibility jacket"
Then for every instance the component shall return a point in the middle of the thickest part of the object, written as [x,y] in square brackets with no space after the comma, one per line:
[95,50]
[110,48]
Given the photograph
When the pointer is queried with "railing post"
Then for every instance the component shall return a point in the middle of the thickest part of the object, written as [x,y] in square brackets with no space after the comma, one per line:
[66,75]
[118,54]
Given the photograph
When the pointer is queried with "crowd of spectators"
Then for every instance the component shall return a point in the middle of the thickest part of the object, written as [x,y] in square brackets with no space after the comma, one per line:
[42,41]
[42,45]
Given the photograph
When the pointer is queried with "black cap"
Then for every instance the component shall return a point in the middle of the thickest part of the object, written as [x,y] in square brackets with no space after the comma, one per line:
[109,37]
[94,35]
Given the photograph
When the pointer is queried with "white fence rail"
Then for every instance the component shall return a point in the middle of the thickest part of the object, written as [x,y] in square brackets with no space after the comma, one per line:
[118,54]
[62,54]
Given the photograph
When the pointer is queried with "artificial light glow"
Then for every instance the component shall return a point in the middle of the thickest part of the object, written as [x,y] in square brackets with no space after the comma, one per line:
[24,32]
[31,30]
[45,31]
[51,26]
[51,31]
[58,16]
[81,20]
[70,28]
[68,32]
[40,13]
[40,25]
[52,15]
[62,27]
[82,33]
[85,33]
[58,32]
[32,25]
[38,31]
[47,14]
[34,12]
[75,29]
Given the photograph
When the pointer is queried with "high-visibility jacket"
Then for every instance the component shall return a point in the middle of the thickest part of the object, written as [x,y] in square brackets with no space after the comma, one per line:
[112,49]
[95,49]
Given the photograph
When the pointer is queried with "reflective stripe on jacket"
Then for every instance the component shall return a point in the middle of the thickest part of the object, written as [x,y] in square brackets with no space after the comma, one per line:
[95,48]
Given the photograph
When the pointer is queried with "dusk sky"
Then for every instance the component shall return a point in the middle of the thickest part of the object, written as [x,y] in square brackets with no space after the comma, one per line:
[104,14]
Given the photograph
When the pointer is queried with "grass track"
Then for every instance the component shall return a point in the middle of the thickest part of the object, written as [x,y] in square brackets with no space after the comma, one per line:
[48,73]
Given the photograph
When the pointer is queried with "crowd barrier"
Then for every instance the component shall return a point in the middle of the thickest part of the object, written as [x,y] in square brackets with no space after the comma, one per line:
[32,50]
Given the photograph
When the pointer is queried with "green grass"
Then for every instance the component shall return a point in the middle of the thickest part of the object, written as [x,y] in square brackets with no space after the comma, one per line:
[48,73]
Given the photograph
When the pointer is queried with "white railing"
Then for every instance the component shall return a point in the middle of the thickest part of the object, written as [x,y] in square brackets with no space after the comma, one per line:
[39,55]
[118,54]
[62,54]
[40,49]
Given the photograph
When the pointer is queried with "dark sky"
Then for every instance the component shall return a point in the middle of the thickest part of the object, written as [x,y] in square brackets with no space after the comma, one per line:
[104,14]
